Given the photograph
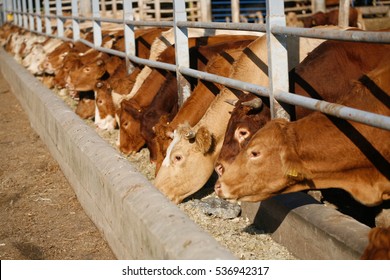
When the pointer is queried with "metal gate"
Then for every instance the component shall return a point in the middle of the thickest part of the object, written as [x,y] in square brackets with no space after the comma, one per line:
[27,15]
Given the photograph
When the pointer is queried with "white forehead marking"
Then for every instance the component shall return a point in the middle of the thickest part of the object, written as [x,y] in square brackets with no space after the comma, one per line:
[176,138]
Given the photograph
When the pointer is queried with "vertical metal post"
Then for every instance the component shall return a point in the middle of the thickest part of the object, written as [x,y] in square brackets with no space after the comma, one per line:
[31,15]
[47,18]
[277,56]
[60,23]
[15,8]
[157,10]
[97,30]
[141,9]
[20,16]
[344,13]
[181,49]
[4,13]
[319,6]
[205,6]
[235,10]
[128,14]
[75,22]
[24,10]
[85,8]
[114,8]
[39,15]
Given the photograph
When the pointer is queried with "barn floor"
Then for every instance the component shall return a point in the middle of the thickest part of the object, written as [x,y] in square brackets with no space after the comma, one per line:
[40,216]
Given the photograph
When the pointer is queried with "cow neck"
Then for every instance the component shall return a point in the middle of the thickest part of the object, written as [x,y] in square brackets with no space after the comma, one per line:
[333,164]
[217,115]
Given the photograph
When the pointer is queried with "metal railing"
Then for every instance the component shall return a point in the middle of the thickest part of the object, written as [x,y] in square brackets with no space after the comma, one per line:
[275,28]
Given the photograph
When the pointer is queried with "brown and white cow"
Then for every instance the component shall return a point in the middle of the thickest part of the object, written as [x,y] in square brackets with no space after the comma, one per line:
[196,148]
[130,137]
[195,106]
[319,151]
[333,60]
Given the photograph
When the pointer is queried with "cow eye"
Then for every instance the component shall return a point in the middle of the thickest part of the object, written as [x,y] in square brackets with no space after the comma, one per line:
[87,69]
[254,154]
[177,158]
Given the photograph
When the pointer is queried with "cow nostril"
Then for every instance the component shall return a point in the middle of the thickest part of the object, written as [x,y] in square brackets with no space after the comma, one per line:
[217,188]
[219,169]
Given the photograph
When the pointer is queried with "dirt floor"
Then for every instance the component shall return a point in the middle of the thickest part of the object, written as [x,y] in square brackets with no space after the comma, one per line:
[40,217]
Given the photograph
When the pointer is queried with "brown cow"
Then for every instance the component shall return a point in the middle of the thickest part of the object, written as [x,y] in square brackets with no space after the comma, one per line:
[319,151]
[108,92]
[130,139]
[86,77]
[198,149]
[330,18]
[378,247]
[166,104]
[220,63]
[196,105]
[332,60]
[86,105]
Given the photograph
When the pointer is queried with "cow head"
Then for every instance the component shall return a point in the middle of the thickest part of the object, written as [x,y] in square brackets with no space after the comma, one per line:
[32,60]
[187,150]
[163,136]
[54,60]
[250,113]
[130,140]
[86,105]
[105,110]
[269,165]
[85,77]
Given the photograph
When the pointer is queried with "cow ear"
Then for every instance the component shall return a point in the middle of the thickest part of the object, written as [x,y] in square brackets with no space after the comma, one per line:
[293,165]
[203,140]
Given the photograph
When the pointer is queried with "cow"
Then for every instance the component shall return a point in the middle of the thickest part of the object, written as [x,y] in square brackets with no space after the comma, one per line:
[130,137]
[89,75]
[195,106]
[319,151]
[54,60]
[86,76]
[378,247]
[330,18]
[85,108]
[258,75]
[341,61]
[196,148]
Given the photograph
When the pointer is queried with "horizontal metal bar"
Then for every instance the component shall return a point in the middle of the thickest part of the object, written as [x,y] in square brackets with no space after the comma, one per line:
[221,25]
[229,82]
[52,36]
[333,109]
[121,21]
[153,63]
[344,35]
[336,110]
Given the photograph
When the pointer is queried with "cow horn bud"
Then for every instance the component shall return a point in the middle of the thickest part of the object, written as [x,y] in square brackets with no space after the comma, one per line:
[232,102]
[190,135]
[255,103]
